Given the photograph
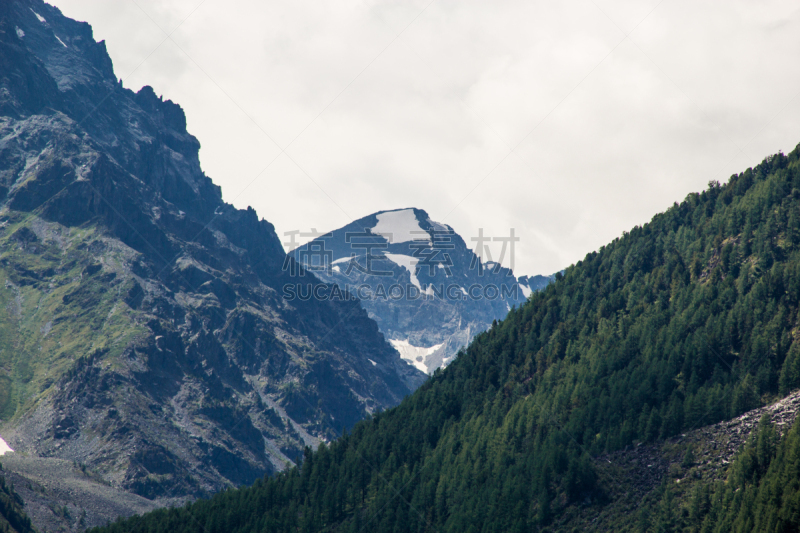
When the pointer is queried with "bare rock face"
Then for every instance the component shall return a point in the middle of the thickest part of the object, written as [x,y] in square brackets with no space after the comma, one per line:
[143,330]
[428,292]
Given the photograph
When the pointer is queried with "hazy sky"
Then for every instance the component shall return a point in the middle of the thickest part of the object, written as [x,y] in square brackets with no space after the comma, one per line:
[568,121]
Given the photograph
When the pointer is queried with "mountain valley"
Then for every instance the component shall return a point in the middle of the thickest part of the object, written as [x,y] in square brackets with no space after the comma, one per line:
[688,321]
[163,359]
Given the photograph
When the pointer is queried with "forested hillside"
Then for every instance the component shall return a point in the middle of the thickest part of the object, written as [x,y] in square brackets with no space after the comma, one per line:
[690,319]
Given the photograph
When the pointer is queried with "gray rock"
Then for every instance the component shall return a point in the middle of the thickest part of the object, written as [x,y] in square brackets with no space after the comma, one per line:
[143,331]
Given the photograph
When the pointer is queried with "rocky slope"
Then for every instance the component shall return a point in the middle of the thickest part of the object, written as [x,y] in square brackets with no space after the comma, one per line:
[635,478]
[143,331]
[61,495]
[13,518]
[428,292]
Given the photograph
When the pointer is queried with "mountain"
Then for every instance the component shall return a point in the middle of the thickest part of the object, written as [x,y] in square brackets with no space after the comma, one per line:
[428,292]
[686,321]
[143,332]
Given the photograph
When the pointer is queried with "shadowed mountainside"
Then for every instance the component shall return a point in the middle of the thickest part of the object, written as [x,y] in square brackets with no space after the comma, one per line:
[143,333]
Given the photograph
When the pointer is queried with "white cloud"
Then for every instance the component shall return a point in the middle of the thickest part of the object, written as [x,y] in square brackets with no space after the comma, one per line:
[603,140]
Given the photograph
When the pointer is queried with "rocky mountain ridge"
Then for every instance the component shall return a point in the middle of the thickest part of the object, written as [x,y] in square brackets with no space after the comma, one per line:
[143,332]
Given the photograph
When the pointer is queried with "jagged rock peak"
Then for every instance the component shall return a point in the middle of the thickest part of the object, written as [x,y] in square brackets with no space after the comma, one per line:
[160,351]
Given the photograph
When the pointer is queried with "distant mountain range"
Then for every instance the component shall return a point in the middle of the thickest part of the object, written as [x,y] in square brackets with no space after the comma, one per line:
[429,293]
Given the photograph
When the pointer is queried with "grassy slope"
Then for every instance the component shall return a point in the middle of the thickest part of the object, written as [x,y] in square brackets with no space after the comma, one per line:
[55,304]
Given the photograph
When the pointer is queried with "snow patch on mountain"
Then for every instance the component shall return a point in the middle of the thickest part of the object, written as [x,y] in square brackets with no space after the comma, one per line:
[407,262]
[4,448]
[416,355]
[400,226]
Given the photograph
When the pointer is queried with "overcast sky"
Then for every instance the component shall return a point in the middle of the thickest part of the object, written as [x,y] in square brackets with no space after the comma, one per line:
[569,121]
